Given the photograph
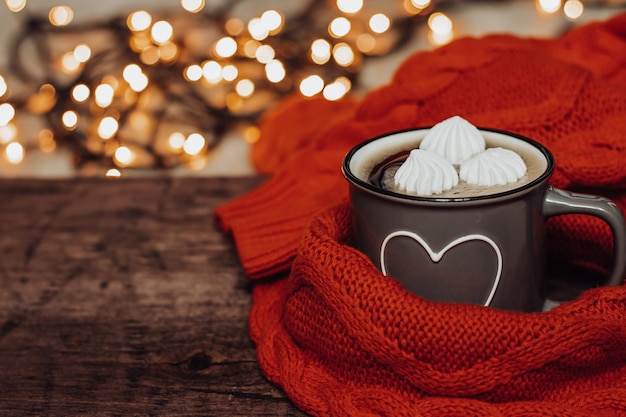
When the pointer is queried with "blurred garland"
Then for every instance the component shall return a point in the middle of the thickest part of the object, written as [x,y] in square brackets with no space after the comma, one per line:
[171,103]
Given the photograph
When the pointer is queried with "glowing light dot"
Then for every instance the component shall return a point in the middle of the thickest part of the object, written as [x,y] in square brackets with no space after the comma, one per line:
[212,71]
[133,75]
[234,101]
[104,95]
[234,26]
[275,71]
[82,53]
[161,32]
[441,31]
[343,54]
[366,42]
[176,141]
[264,54]
[334,91]
[44,100]
[168,52]
[245,88]
[350,6]
[439,39]
[194,144]
[8,133]
[124,156]
[379,23]
[140,41]
[111,80]
[107,128]
[69,119]
[420,4]
[14,153]
[226,47]
[61,15]
[192,6]
[320,51]
[272,20]
[46,142]
[230,72]
[69,62]
[7,113]
[311,85]
[47,90]
[15,5]
[250,47]
[573,9]
[193,72]
[257,29]
[140,120]
[139,20]
[345,82]
[113,173]
[4,87]
[251,134]
[339,27]
[139,83]
[440,23]
[80,92]
[549,6]
[150,55]
[197,164]
[131,71]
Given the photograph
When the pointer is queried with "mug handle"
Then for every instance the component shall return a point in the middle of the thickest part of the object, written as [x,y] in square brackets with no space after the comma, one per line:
[559,201]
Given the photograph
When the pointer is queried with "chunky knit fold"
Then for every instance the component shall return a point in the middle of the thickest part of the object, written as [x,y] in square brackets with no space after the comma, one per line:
[340,337]
[343,340]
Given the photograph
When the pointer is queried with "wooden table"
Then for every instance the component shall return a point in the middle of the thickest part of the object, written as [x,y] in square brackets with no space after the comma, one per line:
[119,298]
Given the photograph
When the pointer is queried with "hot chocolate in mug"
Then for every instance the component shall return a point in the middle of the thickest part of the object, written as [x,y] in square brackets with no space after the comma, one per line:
[476,238]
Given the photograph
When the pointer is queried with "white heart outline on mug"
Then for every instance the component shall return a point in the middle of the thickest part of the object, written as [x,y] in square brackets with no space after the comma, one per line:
[436,256]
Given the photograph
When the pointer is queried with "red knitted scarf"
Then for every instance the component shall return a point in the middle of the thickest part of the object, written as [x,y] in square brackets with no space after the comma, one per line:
[341,339]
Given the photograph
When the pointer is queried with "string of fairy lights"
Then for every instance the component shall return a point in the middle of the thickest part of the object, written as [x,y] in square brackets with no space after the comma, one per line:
[159,90]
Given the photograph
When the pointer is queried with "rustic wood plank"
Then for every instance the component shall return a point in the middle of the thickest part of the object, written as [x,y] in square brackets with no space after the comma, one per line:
[121,298]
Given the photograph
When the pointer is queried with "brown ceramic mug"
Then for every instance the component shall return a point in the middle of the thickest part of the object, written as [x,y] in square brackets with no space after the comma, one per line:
[486,249]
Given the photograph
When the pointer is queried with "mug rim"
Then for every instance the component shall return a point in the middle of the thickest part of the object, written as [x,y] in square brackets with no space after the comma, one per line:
[388,194]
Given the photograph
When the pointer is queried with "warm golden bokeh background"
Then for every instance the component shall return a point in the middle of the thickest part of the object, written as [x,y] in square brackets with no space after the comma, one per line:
[184,95]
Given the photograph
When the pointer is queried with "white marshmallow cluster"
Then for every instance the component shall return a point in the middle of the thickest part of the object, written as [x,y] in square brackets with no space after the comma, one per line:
[452,143]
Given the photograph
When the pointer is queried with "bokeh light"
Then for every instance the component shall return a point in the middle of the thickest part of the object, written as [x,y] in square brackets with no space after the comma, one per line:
[192,6]
[549,6]
[311,85]
[339,27]
[320,51]
[350,6]
[379,23]
[161,32]
[61,15]
[139,20]
[108,127]
[573,9]
[15,5]
[14,153]
[80,92]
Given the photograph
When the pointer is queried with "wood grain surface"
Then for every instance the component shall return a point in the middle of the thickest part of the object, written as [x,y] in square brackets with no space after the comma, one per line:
[119,298]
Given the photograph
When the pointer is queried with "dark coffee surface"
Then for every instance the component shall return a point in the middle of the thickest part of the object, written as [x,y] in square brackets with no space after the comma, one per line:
[379,174]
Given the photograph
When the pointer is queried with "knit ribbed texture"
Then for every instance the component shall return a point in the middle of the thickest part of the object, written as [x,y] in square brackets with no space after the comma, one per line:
[343,340]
